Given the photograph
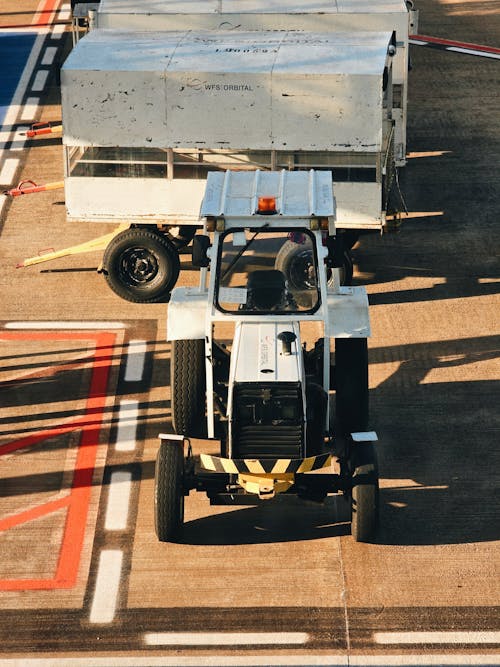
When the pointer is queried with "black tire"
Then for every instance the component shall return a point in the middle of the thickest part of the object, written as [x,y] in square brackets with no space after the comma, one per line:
[351,385]
[169,492]
[295,261]
[181,236]
[365,492]
[187,387]
[141,265]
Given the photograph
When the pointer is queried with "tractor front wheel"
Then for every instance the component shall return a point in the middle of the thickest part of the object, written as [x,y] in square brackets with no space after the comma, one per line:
[365,492]
[169,492]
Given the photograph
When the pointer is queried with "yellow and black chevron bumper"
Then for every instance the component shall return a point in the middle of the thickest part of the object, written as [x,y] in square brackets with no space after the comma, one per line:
[265,466]
[265,477]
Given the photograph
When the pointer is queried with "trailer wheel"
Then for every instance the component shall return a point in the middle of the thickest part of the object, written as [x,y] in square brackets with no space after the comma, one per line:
[365,492]
[181,236]
[187,386]
[169,492]
[295,261]
[141,265]
[351,385]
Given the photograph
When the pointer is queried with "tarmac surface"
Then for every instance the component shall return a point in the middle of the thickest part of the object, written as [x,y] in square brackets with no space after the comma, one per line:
[85,392]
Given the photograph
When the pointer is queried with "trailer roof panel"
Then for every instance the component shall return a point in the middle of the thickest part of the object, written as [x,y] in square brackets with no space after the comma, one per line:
[223,52]
[250,6]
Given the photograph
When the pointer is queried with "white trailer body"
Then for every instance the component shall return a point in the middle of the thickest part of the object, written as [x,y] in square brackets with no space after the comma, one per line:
[395,16]
[146,115]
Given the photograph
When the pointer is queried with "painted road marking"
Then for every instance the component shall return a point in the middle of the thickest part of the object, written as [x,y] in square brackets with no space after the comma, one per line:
[136,357]
[58,31]
[49,55]
[452,45]
[120,488]
[64,325]
[18,141]
[473,52]
[45,12]
[64,13]
[8,171]
[40,80]
[331,660]
[15,49]
[460,637]
[76,501]
[224,638]
[30,109]
[107,586]
[128,415]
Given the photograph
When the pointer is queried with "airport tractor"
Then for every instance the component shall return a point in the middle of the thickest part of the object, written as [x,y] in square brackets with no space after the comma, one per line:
[269,357]
[158,95]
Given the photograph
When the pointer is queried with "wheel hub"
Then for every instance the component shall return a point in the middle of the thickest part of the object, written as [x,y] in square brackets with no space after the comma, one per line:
[139,266]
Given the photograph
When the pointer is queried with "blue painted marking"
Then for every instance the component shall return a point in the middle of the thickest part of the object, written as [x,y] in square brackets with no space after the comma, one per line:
[15,49]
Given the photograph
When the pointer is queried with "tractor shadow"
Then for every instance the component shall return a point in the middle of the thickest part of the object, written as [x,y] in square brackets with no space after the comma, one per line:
[283,519]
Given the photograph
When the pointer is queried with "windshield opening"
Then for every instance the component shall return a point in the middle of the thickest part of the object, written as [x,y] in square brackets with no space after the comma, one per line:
[263,270]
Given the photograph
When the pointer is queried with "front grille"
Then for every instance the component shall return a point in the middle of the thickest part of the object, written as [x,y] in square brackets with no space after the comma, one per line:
[267,420]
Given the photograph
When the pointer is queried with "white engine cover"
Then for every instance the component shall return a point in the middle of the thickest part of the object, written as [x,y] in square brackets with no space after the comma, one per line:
[258,356]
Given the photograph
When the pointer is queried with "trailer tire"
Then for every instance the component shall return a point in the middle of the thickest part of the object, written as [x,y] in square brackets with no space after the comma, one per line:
[187,386]
[169,492]
[351,385]
[365,492]
[294,260]
[141,265]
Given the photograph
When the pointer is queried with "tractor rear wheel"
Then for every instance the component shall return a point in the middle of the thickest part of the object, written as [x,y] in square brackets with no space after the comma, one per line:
[169,492]
[141,265]
[188,386]
[296,262]
[351,385]
[365,492]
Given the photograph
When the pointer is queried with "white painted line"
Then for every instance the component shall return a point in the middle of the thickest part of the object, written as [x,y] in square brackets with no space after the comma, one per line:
[224,638]
[9,171]
[18,140]
[64,13]
[49,55]
[329,660]
[136,356]
[3,201]
[473,52]
[65,325]
[127,426]
[120,487]
[418,42]
[40,80]
[30,108]
[107,586]
[58,31]
[460,637]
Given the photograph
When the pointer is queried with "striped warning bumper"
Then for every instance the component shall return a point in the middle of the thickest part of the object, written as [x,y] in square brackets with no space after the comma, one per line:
[265,466]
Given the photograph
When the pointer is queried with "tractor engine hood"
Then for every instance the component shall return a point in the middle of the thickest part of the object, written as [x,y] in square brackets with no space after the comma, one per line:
[266,352]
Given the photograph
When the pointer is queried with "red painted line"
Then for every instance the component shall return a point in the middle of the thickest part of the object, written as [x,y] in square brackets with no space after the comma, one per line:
[78,499]
[48,8]
[459,45]
[34,513]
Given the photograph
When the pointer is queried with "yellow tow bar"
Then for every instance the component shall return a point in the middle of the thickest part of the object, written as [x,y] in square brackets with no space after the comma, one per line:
[100,243]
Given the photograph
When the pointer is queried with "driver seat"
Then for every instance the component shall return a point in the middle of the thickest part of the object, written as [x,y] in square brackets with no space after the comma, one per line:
[266,289]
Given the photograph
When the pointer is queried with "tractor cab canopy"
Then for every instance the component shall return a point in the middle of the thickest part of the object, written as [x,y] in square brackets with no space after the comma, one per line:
[265,219]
